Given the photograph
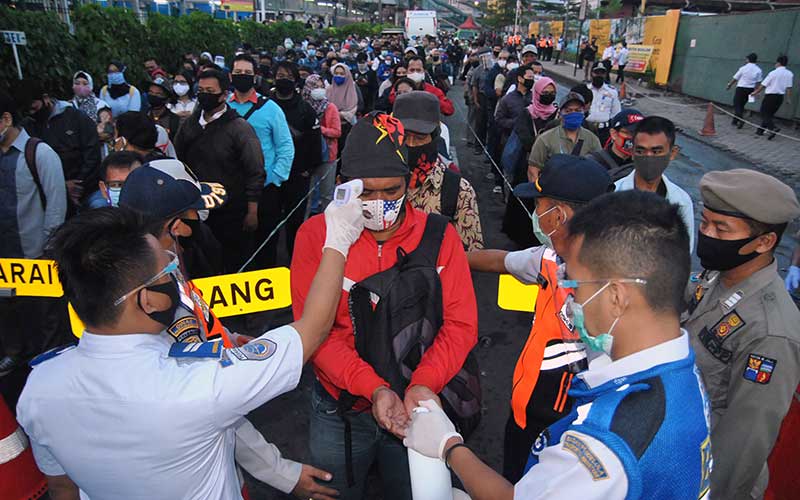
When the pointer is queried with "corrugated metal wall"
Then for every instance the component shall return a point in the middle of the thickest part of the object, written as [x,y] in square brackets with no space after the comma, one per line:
[710,49]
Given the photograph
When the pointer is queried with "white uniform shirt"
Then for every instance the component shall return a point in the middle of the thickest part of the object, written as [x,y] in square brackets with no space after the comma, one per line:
[622,57]
[675,195]
[125,421]
[777,81]
[605,104]
[748,76]
[560,473]
[608,53]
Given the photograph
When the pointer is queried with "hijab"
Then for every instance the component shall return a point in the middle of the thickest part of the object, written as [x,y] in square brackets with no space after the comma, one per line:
[312,83]
[344,96]
[86,104]
[536,109]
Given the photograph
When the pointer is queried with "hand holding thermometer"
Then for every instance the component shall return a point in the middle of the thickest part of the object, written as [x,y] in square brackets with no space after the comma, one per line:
[347,191]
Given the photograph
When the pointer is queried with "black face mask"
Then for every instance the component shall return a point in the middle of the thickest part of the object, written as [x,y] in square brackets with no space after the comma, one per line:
[547,99]
[284,86]
[722,255]
[474,64]
[243,83]
[598,81]
[264,69]
[42,114]
[528,83]
[156,101]
[430,152]
[167,316]
[496,53]
[208,102]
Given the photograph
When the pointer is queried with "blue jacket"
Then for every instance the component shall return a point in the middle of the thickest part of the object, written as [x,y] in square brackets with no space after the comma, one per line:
[272,130]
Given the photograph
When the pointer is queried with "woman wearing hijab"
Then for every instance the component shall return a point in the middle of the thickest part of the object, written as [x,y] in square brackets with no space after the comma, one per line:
[517,223]
[331,126]
[84,99]
[120,95]
[342,93]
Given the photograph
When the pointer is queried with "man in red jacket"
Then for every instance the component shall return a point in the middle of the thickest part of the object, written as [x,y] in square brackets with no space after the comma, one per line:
[375,155]
[416,72]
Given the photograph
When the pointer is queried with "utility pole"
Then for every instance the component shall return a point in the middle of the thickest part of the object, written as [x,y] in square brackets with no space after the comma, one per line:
[517,15]
[582,18]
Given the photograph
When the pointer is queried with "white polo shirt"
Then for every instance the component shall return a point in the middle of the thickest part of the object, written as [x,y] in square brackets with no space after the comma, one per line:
[748,76]
[125,421]
[777,81]
[675,194]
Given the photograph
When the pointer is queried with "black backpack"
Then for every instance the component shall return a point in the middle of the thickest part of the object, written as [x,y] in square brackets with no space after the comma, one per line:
[615,171]
[396,316]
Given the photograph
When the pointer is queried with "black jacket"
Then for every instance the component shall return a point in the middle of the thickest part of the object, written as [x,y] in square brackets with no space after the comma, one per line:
[73,136]
[306,133]
[226,151]
[509,108]
[368,83]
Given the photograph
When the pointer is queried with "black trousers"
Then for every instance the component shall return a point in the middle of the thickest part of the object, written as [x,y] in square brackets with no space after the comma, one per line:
[227,226]
[291,192]
[607,65]
[32,325]
[517,447]
[740,101]
[620,73]
[269,215]
[770,106]
[481,120]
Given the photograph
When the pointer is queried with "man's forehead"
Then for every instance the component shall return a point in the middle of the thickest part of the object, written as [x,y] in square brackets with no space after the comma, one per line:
[728,220]
[382,182]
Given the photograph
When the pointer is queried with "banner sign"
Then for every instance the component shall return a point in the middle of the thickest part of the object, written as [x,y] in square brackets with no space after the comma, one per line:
[638,58]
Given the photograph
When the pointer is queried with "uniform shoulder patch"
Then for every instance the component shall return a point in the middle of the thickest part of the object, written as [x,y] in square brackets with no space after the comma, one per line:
[255,350]
[586,457]
[52,353]
[759,369]
[185,330]
[196,350]
[729,324]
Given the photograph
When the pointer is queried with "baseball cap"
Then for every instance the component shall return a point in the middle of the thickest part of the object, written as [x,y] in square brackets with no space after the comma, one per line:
[627,118]
[572,96]
[568,178]
[418,111]
[163,83]
[410,49]
[530,48]
[375,148]
[138,129]
[165,188]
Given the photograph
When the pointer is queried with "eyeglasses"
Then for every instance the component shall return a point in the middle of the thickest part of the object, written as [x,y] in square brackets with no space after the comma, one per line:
[172,268]
[563,283]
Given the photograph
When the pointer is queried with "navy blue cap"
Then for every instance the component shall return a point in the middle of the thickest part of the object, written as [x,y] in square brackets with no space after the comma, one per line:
[627,118]
[165,188]
[568,178]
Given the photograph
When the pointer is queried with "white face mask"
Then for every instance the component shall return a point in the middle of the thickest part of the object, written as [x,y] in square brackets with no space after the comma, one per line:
[181,89]
[318,94]
[502,63]
[380,215]
[416,77]
[536,77]
[512,66]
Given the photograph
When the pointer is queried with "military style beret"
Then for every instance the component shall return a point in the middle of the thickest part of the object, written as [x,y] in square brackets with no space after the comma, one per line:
[749,194]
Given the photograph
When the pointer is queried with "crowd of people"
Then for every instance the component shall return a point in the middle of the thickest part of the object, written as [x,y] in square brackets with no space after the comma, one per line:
[637,378]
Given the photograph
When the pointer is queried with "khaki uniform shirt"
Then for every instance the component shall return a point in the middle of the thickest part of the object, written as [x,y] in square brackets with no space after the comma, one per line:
[467,222]
[555,141]
[747,343]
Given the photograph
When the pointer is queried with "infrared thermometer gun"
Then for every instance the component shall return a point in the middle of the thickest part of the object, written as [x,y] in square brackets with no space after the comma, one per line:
[347,191]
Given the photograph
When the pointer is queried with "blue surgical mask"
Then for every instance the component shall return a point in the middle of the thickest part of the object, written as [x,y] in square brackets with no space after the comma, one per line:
[312,52]
[544,238]
[600,343]
[573,121]
[339,80]
[113,196]
[116,78]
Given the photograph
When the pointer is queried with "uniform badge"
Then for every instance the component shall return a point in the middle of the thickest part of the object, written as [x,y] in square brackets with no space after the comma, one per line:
[196,350]
[256,350]
[186,329]
[759,369]
[541,442]
[714,345]
[727,325]
[586,457]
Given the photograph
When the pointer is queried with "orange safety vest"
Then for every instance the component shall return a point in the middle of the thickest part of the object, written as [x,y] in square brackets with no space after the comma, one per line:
[543,374]
[202,325]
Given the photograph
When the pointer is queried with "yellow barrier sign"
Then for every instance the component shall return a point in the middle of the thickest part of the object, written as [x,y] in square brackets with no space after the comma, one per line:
[513,295]
[245,293]
[30,277]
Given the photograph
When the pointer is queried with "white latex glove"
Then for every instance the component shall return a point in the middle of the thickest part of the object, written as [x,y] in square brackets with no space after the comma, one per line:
[344,223]
[793,278]
[429,430]
[522,265]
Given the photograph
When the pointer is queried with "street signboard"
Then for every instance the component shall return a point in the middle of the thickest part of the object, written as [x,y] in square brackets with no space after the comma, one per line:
[14,37]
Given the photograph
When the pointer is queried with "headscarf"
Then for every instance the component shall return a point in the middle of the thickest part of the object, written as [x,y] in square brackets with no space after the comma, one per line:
[537,109]
[86,104]
[344,96]
[312,83]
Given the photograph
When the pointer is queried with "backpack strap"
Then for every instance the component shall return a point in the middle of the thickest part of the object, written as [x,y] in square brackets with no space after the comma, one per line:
[427,252]
[258,105]
[30,161]
[604,159]
[576,151]
[451,188]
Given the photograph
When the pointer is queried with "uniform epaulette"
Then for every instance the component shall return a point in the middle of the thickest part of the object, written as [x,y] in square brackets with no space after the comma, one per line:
[52,353]
[196,350]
